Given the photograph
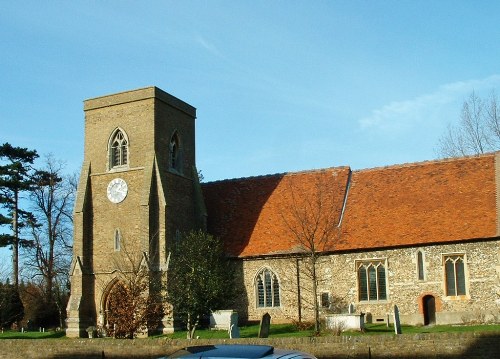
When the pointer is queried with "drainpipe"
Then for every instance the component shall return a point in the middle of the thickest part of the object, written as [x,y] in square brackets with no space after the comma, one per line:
[299,304]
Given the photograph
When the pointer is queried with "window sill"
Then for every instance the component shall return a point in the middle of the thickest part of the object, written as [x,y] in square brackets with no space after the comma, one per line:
[385,301]
[268,308]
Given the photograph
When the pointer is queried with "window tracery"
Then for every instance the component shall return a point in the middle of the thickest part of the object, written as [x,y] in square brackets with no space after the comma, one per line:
[118,149]
[268,289]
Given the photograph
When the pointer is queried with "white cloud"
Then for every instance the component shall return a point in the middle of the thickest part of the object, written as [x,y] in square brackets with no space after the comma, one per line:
[208,46]
[404,115]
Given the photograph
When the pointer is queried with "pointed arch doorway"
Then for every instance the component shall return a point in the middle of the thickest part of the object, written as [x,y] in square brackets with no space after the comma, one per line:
[429,309]
[108,305]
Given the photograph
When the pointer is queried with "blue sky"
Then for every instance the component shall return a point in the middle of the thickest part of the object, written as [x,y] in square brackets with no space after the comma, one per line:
[278,85]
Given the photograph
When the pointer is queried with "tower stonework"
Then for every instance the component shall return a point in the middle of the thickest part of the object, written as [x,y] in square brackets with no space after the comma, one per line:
[138,189]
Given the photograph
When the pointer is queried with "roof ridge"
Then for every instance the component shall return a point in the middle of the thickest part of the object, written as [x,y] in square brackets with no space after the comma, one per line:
[427,162]
[294,173]
[378,168]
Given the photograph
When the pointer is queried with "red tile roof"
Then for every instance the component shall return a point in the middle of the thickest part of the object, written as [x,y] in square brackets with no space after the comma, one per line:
[413,204]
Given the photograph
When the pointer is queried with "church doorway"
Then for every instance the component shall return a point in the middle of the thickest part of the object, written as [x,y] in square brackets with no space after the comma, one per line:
[111,299]
[429,306]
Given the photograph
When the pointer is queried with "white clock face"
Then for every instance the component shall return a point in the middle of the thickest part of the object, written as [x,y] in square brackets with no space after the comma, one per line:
[117,190]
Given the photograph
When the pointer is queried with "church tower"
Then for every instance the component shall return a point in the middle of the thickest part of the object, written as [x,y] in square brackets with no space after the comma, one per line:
[138,189]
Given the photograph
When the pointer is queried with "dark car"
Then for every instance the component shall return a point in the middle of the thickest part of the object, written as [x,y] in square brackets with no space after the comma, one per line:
[238,351]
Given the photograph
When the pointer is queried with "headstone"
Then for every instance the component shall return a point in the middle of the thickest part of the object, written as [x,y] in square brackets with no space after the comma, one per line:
[265,324]
[350,309]
[397,324]
[234,332]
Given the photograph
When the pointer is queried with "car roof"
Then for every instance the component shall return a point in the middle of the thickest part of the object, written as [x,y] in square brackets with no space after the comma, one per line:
[237,351]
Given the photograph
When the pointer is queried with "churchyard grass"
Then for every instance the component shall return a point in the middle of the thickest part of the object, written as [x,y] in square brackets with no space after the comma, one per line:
[14,334]
[279,330]
[289,330]
[250,331]
[374,329]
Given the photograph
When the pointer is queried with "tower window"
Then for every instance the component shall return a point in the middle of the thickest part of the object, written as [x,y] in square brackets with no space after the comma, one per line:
[175,157]
[117,240]
[118,150]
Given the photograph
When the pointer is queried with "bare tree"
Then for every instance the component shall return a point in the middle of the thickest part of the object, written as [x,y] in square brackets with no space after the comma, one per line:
[135,303]
[52,198]
[477,132]
[4,272]
[311,215]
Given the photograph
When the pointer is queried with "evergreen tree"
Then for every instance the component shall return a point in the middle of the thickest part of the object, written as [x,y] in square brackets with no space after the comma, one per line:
[11,306]
[15,178]
[199,278]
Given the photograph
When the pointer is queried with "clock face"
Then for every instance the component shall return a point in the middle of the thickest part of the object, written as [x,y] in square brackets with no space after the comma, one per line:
[117,190]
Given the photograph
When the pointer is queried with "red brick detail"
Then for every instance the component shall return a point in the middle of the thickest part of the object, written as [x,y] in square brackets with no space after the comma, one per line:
[437,302]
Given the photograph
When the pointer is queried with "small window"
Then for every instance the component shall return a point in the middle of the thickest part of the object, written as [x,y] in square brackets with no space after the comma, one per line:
[420,265]
[454,268]
[117,240]
[118,149]
[325,300]
[372,284]
[175,157]
[268,289]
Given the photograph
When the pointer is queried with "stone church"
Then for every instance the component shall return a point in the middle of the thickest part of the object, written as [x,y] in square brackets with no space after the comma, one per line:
[422,236]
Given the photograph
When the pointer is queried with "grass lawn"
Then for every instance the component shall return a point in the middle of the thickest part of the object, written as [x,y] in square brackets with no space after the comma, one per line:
[250,331]
[288,330]
[11,334]
[373,329]
[279,330]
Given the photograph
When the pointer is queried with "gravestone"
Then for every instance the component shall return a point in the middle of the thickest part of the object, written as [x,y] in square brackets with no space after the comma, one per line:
[397,324]
[234,331]
[350,309]
[265,324]
[222,319]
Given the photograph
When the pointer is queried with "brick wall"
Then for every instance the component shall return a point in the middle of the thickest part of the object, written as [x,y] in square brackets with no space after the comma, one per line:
[441,345]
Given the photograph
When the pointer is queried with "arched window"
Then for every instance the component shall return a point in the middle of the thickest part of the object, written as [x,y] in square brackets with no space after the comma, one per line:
[454,266]
[268,289]
[175,157]
[117,240]
[420,265]
[372,284]
[118,149]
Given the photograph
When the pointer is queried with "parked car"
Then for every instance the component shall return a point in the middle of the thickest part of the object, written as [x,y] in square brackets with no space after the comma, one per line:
[238,351]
